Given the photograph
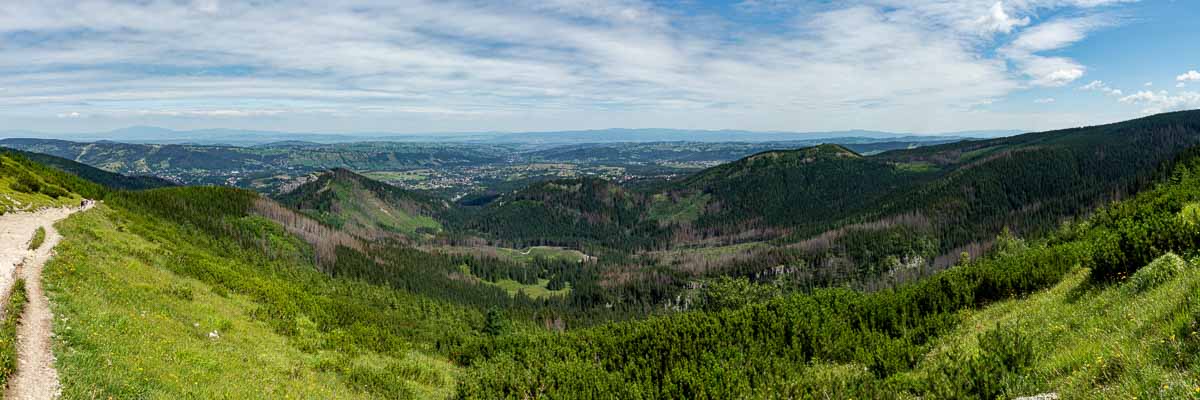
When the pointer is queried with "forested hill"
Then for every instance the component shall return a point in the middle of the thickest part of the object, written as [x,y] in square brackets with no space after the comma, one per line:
[365,207]
[951,195]
[788,189]
[1118,321]
[569,212]
[968,189]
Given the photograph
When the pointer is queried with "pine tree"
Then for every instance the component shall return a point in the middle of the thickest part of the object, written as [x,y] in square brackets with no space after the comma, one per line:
[495,323]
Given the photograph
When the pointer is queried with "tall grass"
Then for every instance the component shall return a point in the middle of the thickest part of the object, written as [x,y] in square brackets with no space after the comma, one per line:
[8,330]
[39,237]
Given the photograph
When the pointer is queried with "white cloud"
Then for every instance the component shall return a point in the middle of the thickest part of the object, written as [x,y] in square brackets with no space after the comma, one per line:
[1162,101]
[1189,76]
[538,64]
[1047,100]
[1180,85]
[998,20]
[1148,84]
[1053,35]
[1100,86]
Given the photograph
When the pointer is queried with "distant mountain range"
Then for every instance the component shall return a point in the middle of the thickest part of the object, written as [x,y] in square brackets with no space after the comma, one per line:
[238,137]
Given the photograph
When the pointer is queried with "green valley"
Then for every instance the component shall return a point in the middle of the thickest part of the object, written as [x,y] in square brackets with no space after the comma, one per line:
[600,200]
[811,273]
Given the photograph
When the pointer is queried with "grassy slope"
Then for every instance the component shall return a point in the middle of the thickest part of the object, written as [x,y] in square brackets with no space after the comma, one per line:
[687,209]
[362,209]
[12,199]
[106,178]
[1093,341]
[130,326]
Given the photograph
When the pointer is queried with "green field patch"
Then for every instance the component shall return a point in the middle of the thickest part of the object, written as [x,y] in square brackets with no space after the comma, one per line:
[686,209]
[548,252]
[708,253]
[537,290]
[917,166]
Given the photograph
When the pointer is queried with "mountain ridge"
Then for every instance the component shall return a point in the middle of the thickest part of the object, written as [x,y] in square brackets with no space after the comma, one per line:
[224,136]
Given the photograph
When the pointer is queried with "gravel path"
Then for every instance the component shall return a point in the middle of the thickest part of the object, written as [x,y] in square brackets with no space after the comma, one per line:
[35,377]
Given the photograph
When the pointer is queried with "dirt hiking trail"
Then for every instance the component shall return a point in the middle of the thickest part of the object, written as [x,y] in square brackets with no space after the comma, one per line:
[35,377]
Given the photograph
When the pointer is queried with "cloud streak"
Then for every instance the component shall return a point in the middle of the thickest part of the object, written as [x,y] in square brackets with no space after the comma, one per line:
[542,62]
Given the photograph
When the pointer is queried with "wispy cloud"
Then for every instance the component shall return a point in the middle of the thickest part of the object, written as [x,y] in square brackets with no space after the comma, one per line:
[1102,87]
[540,63]
[1026,49]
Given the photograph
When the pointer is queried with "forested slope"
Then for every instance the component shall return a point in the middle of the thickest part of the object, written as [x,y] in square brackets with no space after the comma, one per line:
[187,291]
[918,339]
[956,193]
[968,189]
[569,212]
[827,216]
[202,274]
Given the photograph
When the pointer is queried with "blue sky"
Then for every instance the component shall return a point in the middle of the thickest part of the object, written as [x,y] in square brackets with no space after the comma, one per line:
[461,65]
